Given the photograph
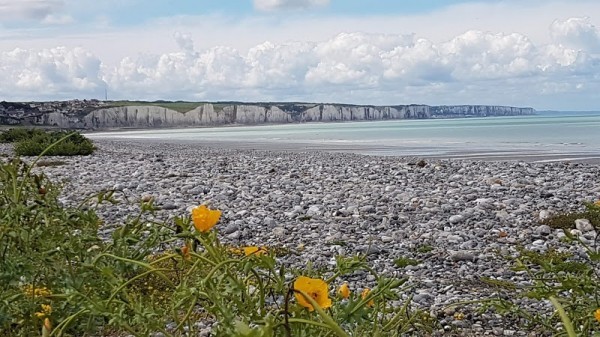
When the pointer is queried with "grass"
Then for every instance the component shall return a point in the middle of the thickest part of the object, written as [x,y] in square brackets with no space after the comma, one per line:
[567,220]
[179,106]
[403,262]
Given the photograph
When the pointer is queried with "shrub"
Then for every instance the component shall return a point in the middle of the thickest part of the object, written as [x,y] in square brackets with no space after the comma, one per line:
[19,134]
[74,145]
[570,282]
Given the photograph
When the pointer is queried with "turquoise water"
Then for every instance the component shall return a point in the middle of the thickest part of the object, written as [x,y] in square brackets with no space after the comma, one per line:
[564,133]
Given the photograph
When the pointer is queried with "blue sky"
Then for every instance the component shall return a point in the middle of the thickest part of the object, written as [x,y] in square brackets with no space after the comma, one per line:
[539,53]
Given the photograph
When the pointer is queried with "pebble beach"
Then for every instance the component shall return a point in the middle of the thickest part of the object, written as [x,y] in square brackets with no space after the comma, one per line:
[456,218]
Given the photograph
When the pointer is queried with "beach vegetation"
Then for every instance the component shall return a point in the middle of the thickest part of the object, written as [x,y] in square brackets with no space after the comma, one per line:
[567,220]
[18,134]
[402,262]
[424,249]
[569,282]
[59,277]
[34,142]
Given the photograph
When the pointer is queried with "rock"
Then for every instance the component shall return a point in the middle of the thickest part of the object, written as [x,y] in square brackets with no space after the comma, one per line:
[314,210]
[230,228]
[454,239]
[169,206]
[234,236]
[462,255]
[386,239]
[544,214]
[543,230]
[502,215]
[584,225]
[279,232]
[456,219]
[269,222]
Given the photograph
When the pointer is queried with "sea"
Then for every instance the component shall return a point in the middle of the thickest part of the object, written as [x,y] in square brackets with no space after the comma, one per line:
[544,137]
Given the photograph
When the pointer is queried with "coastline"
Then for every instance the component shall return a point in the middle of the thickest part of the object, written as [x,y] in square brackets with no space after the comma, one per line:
[425,152]
[344,203]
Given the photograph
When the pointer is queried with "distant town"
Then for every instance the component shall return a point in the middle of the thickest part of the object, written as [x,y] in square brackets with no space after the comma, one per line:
[21,110]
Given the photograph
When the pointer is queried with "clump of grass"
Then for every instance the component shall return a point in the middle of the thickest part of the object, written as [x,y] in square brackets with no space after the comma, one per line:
[36,142]
[424,249]
[403,262]
[567,220]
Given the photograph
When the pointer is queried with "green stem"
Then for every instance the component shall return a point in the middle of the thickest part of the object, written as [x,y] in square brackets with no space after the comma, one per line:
[60,327]
[188,313]
[563,316]
[305,321]
[139,263]
[131,281]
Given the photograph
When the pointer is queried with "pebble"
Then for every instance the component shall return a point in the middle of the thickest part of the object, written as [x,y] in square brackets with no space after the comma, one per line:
[584,225]
[447,215]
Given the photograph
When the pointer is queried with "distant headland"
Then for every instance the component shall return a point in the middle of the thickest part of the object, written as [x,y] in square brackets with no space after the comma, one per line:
[96,115]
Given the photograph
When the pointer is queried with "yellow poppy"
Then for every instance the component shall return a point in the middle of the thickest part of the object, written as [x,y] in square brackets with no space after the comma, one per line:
[364,295]
[46,311]
[235,251]
[597,314]
[204,218]
[315,288]
[344,290]
[30,291]
[257,251]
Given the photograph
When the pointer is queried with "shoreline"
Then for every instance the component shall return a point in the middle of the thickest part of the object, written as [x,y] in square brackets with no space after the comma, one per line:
[424,152]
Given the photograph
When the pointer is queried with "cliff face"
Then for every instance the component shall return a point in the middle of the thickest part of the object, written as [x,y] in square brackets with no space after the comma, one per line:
[208,114]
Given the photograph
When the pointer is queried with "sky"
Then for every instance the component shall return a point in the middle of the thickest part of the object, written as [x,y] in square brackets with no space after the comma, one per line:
[543,54]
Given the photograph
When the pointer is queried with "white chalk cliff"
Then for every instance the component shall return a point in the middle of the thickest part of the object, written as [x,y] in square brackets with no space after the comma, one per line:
[209,114]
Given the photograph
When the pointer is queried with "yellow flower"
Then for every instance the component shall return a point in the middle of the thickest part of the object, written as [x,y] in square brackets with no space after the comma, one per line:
[315,288]
[204,218]
[364,295]
[46,311]
[459,316]
[235,251]
[30,291]
[597,203]
[344,290]
[597,314]
[257,251]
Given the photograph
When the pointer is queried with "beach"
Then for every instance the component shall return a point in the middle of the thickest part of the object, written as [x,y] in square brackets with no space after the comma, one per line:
[456,218]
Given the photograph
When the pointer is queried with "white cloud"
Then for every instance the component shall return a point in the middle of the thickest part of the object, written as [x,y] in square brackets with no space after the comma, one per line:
[56,72]
[57,19]
[270,5]
[474,67]
[13,10]
[540,53]
[578,33]
[184,41]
